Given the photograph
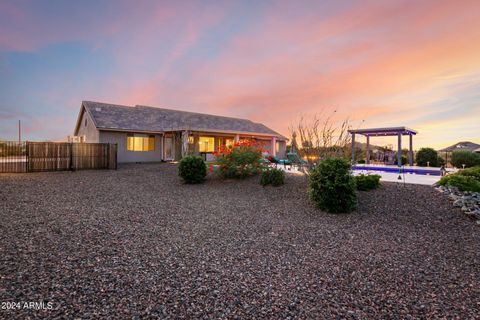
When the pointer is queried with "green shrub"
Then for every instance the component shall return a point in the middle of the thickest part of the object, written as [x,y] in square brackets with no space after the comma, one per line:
[473,172]
[192,169]
[273,176]
[427,156]
[404,160]
[467,158]
[367,182]
[463,183]
[241,160]
[440,161]
[332,186]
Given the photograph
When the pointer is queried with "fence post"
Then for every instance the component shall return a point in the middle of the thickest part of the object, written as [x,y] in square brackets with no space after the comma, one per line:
[108,156]
[27,156]
[71,156]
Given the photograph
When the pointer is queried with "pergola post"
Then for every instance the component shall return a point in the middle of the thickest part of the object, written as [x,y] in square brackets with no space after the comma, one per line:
[367,153]
[410,150]
[399,152]
[353,148]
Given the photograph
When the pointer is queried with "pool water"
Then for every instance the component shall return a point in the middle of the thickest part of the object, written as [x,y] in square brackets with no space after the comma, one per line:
[395,169]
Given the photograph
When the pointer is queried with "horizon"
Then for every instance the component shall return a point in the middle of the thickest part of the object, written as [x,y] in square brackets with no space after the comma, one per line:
[379,64]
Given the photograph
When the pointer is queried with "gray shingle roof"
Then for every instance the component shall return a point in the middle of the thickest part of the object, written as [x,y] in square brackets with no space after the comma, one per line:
[144,118]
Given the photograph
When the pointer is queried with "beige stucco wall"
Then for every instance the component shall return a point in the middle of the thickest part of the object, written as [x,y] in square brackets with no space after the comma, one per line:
[89,130]
[125,156]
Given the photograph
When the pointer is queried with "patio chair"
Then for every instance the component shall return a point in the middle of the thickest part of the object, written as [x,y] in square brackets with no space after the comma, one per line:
[295,159]
[278,161]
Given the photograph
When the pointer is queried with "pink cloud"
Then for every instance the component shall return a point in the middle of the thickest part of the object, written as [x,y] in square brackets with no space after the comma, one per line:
[384,62]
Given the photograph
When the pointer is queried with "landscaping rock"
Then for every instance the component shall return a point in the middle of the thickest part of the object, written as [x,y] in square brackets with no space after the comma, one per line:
[469,202]
[138,243]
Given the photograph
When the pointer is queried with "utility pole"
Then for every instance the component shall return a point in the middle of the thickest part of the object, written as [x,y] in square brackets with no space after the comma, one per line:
[19,131]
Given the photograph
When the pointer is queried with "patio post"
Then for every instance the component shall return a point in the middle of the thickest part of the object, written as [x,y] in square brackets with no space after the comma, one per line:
[237,138]
[185,136]
[367,153]
[353,147]
[399,151]
[274,145]
[410,150]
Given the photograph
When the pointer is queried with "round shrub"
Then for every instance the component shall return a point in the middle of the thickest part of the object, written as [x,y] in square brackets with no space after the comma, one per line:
[367,182]
[467,158]
[192,169]
[332,186]
[427,156]
[473,172]
[463,183]
[404,160]
[273,176]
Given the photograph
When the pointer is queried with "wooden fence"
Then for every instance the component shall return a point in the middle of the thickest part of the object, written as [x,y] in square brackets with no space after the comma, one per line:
[56,156]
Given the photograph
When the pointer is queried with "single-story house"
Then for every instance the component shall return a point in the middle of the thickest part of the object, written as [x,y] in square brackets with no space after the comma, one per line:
[150,134]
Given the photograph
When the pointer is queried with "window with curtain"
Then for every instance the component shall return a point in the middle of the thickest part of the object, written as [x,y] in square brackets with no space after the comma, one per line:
[137,142]
[206,144]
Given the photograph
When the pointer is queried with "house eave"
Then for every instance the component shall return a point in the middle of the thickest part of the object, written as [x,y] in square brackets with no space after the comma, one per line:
[242,133]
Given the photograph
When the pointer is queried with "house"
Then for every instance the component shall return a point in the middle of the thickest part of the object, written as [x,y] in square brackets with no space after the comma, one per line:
[463,146]
[149,134]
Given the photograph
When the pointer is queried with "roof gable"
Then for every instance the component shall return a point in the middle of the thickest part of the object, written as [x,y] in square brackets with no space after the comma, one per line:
[145,118]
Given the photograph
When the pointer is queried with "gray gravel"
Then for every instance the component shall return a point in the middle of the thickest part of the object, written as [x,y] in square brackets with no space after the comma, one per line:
[136,243]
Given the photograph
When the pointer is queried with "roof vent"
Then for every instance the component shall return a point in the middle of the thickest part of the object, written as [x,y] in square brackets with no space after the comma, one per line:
[98,109]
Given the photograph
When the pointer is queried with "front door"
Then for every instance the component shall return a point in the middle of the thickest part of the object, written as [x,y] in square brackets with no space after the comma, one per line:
[168,148]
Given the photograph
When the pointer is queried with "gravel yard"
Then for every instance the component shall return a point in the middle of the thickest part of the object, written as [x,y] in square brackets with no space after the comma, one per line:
[137,242]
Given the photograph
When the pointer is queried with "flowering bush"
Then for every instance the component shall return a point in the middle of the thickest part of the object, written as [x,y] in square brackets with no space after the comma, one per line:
[241,160]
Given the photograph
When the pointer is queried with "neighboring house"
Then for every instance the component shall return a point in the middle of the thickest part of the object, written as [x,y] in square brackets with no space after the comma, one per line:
[464,145]
[149,134]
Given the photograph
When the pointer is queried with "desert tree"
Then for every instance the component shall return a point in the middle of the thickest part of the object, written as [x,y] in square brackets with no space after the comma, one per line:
[321,136]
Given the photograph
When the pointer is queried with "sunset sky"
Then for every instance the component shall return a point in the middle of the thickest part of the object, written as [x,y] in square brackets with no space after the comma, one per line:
[380,63]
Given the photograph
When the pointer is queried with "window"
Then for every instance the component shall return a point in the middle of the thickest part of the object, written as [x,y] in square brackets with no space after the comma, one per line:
[85,122]
[229,142]
[206,144]
[277,147]
[136,142]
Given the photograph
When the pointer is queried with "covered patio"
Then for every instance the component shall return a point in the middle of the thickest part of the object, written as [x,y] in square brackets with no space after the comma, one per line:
[385,132]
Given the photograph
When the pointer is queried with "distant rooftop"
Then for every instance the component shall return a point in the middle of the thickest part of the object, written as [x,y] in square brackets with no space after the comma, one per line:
[463,145]
[389,131]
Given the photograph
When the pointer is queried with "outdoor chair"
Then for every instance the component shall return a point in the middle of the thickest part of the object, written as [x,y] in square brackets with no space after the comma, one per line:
[295,159]
[276,161]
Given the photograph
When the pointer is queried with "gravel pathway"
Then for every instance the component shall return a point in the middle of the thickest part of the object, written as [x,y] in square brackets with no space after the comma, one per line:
[136,243]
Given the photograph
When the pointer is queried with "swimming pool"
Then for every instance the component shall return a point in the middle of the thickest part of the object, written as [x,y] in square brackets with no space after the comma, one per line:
[395,169]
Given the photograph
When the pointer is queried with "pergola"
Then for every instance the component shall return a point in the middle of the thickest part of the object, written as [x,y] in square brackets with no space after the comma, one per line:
[385,132]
